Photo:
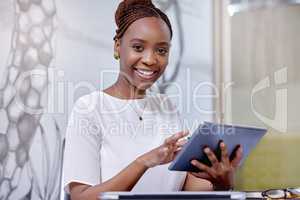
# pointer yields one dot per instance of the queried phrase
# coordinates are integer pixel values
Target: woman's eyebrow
(164, 43)
(144, 41)
(137, 40)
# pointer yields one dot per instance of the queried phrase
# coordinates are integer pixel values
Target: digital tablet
(209, 135)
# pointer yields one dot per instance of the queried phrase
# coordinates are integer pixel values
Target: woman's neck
(124, 90)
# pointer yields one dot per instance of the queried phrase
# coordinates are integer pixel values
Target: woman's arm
(193, 183)
(128, 177)
(124, 181)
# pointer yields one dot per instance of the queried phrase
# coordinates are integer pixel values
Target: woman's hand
(166, 152)
(221, 173)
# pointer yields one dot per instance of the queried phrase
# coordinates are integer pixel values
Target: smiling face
(144, 52)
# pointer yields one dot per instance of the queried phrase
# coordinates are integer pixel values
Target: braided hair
(129, 11)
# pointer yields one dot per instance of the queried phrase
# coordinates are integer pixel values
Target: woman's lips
(145, 74)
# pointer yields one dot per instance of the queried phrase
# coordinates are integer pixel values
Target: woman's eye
(162, 51)
(138, 48)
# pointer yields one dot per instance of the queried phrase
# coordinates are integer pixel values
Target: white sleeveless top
(105, 134)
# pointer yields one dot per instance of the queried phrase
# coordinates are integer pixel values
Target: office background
(68, 47)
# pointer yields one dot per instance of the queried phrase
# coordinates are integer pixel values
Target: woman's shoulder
(88, 99)
(87, 102)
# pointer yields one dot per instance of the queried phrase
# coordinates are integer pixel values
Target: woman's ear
(117, 49)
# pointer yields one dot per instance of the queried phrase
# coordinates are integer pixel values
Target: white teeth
(144, 72)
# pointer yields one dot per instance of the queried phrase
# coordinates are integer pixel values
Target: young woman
(122, 138)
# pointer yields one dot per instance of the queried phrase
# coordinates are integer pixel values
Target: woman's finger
(178, 149)
(203, 167)
(171, 140)
(211, 156)
(165, 151)
(224, 153)
(238, 157)
(181, 142)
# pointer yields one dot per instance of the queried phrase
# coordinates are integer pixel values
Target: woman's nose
(149, 58)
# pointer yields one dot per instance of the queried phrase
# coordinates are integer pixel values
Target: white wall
(81, 48)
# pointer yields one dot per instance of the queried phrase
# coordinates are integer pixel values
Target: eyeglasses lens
(275, 194)
(295, 192)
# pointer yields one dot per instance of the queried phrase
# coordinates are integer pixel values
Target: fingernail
(193, 162)
(206, 150)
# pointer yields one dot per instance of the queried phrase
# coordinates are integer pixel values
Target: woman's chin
(144, 84)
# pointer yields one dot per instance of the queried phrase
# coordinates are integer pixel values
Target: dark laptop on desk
(172, 195)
